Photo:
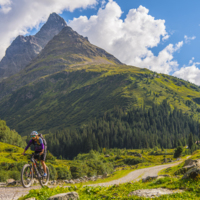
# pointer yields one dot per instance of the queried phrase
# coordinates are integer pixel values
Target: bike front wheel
(44, 179)
(26, 175)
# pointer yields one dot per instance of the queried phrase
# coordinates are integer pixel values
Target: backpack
(44, 141)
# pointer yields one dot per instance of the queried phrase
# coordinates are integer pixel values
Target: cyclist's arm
(29, 144)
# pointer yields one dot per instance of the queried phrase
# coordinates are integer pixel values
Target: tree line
(10, 136)
(138, 128)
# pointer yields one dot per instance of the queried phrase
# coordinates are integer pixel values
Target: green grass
(121, 191)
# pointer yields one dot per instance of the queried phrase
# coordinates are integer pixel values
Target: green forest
(10, 136)
(138, 128)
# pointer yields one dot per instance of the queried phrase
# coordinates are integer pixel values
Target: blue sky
(181, 18)
(162, 36)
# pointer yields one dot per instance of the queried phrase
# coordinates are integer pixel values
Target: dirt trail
(13, 193)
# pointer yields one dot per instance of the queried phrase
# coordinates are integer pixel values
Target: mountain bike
(33, 170)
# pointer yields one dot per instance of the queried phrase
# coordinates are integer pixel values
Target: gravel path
(13, 193)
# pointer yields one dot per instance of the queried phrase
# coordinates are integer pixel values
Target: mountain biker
(39, 149)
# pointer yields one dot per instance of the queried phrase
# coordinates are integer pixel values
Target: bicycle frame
(36, 166)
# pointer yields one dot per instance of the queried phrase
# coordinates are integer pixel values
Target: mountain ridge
(66, 50)
(25, 48)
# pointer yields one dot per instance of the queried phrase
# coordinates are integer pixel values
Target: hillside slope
(75, 96)
(72, 81)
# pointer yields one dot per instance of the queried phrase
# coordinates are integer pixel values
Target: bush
(178, 152)
(3, 176)
(50, 157)
(133, 161)
(15, 175)
(79, 170)
(52, 172)
(63, 173)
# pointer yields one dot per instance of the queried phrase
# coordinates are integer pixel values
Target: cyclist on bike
(39, 149)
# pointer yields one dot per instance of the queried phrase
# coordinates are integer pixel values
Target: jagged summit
(25, 48)
(52, 27)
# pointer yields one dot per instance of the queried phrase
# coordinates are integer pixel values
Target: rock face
(191, 169)
(192, 173)
(65, 196)
(25, 48)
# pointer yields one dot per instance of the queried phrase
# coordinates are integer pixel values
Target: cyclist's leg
(36, 158)
(42, 159)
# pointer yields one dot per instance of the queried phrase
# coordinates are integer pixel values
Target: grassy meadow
(190, 187)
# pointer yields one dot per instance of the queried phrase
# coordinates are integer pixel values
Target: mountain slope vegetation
(10, 136)
(159, 126)
(74, 96)
(72, 81)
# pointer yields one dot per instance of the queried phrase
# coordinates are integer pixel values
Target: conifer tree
(190, 141)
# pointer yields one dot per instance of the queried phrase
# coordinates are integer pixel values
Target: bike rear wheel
(44, 179)
(27, 175)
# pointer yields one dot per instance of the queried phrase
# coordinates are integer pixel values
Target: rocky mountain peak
(52, 27)
(25, 48)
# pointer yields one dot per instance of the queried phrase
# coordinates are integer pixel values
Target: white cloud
(163, 63)
(16, 17)
(191, 61)
(5, 6)
(190, 73)
(129, 40)
(188, 39)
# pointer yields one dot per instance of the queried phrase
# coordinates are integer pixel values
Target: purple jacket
(39, 146)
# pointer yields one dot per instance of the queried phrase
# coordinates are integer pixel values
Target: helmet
(34, 133)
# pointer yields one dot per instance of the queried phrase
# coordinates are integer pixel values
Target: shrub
(79, 170)
(178, 152)
(50, 157)
(15, 175)
(133, 161)
(52, 172)
(63, 173)
(3, 176)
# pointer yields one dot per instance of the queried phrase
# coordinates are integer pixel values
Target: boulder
(191, 163)
(53, 182)
(71, 181)
(66, 181)
(192, 173)
(105, 175)
(163, 176)
(149, 178)
(153, 192)
(12, 183)
(35, 181)
(65, 196)
(10, 180)
(189, 167)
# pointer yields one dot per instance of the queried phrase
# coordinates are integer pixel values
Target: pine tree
(190, 141)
